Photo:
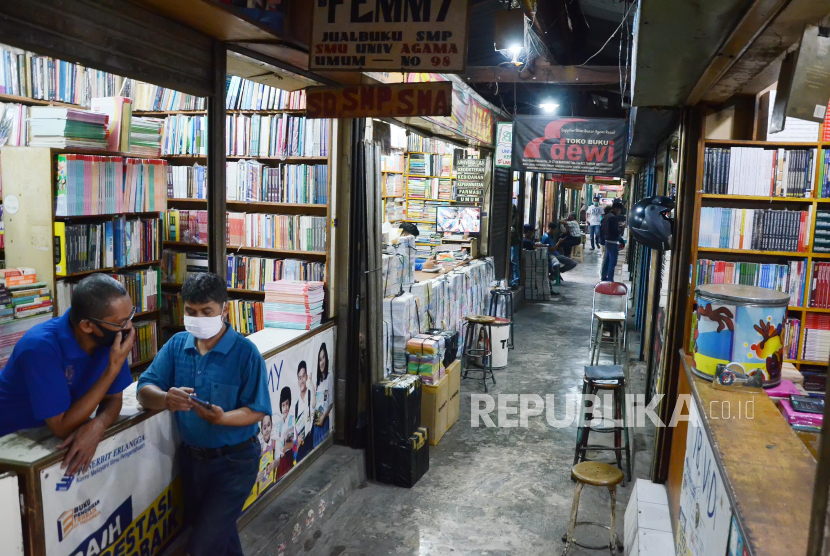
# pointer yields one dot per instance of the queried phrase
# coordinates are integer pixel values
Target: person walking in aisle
(594, 217)
(215, 381)
(611, 235)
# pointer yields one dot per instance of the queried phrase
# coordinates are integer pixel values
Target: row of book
(419, 144)
(145, 136)
(821, 232)
(816, 338)
(394, 210)
(141, 285)
(393, 186)
(788, 278)
(819, 285)
(14, 131)
(94, 246)
(753, 229)
(243, 94)
(152, 98)
(441, 189)
(421, 210)
(24, 299)
(759, 172)
(146, 342)
(792, 328)
(26, 74)
(252, 273)
(276, 136)
(277, 231)
(392, 162)
(92, 185)
(245, 316)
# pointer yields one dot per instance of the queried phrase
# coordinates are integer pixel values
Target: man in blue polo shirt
(62, 370)
(214, 379)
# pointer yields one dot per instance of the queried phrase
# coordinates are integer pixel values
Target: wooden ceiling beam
(545, 73)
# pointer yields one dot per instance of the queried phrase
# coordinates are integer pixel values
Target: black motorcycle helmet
(650, 224)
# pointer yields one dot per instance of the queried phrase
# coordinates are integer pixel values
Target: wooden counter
(767, 470)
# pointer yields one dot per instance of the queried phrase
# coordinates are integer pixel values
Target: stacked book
(293, 304)
(65, 128)
(252, 273)
(425, 357)
(536, 281)
(152, 98)
(392, 162)
(394, 185)
(400, 322)
(816, 338)
(176, 266)
(821, 235)
(788, 278)
(22, 296)
(418, 165)
(416, 188)
(146, 342)
(394, 210)
(754, 229)
(243, 94)
(246, 317)
(145, 136)
(420, 211)
(14, 125)
(820, 285)
(188, 226)
(277, 231)
(759, 172)
(792, 327)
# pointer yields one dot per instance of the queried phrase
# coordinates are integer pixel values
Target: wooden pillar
(217, 258)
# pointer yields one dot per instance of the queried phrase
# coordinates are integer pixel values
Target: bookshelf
(809, 203)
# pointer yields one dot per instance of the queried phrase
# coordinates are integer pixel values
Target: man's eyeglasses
(120, 327)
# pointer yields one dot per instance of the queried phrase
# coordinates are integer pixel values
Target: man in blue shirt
(553, 245)
(63, 369)
(214, 379)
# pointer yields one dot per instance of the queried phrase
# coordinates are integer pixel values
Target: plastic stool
(577, 253)
(597, 474)
(471, 348)
(506, 297)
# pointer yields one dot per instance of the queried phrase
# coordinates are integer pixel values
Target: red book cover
(801, 230)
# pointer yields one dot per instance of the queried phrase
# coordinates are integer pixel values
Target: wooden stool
(594, 473)
(577, 253)
(471, 348)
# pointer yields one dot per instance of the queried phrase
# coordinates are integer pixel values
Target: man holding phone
(215, 381)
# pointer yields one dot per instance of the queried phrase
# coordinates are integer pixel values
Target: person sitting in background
(409, 229)
(549, 241)
(594, 217)
(571, 235)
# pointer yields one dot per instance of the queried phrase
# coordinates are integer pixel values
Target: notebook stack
(294, 304)
(426, 357)
(536, 282)
(145, 137)
(63, 128)
(21, 295)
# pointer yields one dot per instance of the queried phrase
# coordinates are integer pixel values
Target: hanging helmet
(650, 224)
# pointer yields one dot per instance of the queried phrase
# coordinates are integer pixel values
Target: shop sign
(469, 117)
(389, 35)
(569, 178)
(504, 144)
(705, 512)
(376, 101)
(292, 432)
(585, 146)
(128, 502)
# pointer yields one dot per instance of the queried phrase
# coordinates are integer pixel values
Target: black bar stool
(505, 298)
(472, 349)
(605, 377)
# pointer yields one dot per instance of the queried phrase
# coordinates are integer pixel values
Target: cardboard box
(434, 408)
(454, 394)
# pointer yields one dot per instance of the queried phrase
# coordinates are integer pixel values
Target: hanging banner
(128, 502)
(504, 144)
(301, 384)
(469, 117)
(377, 101)
(585, 146)
(389, 35)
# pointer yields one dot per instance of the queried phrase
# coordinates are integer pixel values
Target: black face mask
(108, 337)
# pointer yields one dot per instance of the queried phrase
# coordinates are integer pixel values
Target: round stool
(502, 299)
(473, 348)
(594, 473)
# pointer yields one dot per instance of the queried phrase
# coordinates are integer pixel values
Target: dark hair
(285, 395)
(607, 209)
(410, 228)
(93, 296)
(551, 225)
(204, 287)
(319, 374)
(302, 365)
(267, 416)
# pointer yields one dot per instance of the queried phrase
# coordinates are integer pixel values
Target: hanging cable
(611, 37)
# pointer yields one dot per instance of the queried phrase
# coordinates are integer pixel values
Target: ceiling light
(515, 49)
(549, 106)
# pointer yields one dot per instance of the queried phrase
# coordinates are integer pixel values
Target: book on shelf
(394, 209)
(93, 185)
(821, 232)
(98, 245)
(422, 210)
(67, 128)
(141, 285)
(758, 171)
(177, 266)
(819, 285)
(754, 229)
(252, 273)
(187, 182)
(816, 346)
(145, 136)
(14, 124)
(188, 226)
(146, 342)
(119, 112)
(246, 317)
(419, 144)
(152, 98)
(135, 241)
(393, 186)
(787, 278)
(276, 231)
(392, 162)
(276, 135)
(792, 328)
(184, 135)
(243, 94)
(172, 309)
(12, 330)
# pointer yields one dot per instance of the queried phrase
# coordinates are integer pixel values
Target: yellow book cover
(60, 249)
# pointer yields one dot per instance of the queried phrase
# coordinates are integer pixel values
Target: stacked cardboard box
(536, 282)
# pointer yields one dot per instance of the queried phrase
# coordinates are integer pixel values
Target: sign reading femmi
(368, 101)
(389, 35)
(585, 146)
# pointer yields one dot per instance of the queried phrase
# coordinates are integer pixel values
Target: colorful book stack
(30, 300)
(176, 266)
(83, 247)
(65, 128)
(395, 210)
(759, 172)
(15, 129)
(445, 190)
(792, 327)
(293, 183)
(416, 188)
(293, 304)
(146, 342)
(243, 94)
(276, 136)
(91, 184)
(145, 136)
(252, 273)
(421, 211)
(152, 98)
(187, 182)
(821, 235)
(418, 165)
(188, 226)
(184, 135)
(788, 278)
(246, 317)
(425, 357)
(754, 229)
(394, 185)
(820, 285)
(816, 338)
(276, 231)
(392, 162)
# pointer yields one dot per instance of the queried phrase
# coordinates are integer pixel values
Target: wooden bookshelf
(286, 160)
(311, 209)
(243, 249)
(38, 102)
(165, 113)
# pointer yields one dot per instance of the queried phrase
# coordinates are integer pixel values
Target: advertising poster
(705, 513)
(301, 384)
(469, 117)
(504, 144)
(469, 180)
(584, 146)
(129, 501)
(389, 36)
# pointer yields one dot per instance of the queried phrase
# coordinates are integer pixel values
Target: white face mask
(204, 328)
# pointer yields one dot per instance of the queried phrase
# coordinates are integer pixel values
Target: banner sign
(469, 180)
(568, 178)
(376, 101)
(129, 501)
(585, 146)
(301, 384)
(469, 117)
(705, 512)
(389, 35)
(504, 144)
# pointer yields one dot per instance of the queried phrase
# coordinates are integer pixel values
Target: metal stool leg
(464, 357)
(569, 536)
(510, 301)
(625, 434)
(490, 357)
(617, 431)
(580, 428)
(615, 542)
(597, 339)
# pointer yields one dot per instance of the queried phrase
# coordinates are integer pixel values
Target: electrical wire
(625, 17)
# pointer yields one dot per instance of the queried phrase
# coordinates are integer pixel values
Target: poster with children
(301, 384)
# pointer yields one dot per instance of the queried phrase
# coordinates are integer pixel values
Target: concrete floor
(499, 491)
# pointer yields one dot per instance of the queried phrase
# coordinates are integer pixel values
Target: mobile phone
(203, 403)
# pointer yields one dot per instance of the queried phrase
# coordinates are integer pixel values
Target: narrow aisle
(498, 491)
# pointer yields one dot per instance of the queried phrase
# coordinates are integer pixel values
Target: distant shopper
(611, 235)
(549, 240)
(304, 413)
(215, 381)
(68, 373)
(571, 235)
(594, 217)
(583, 212)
